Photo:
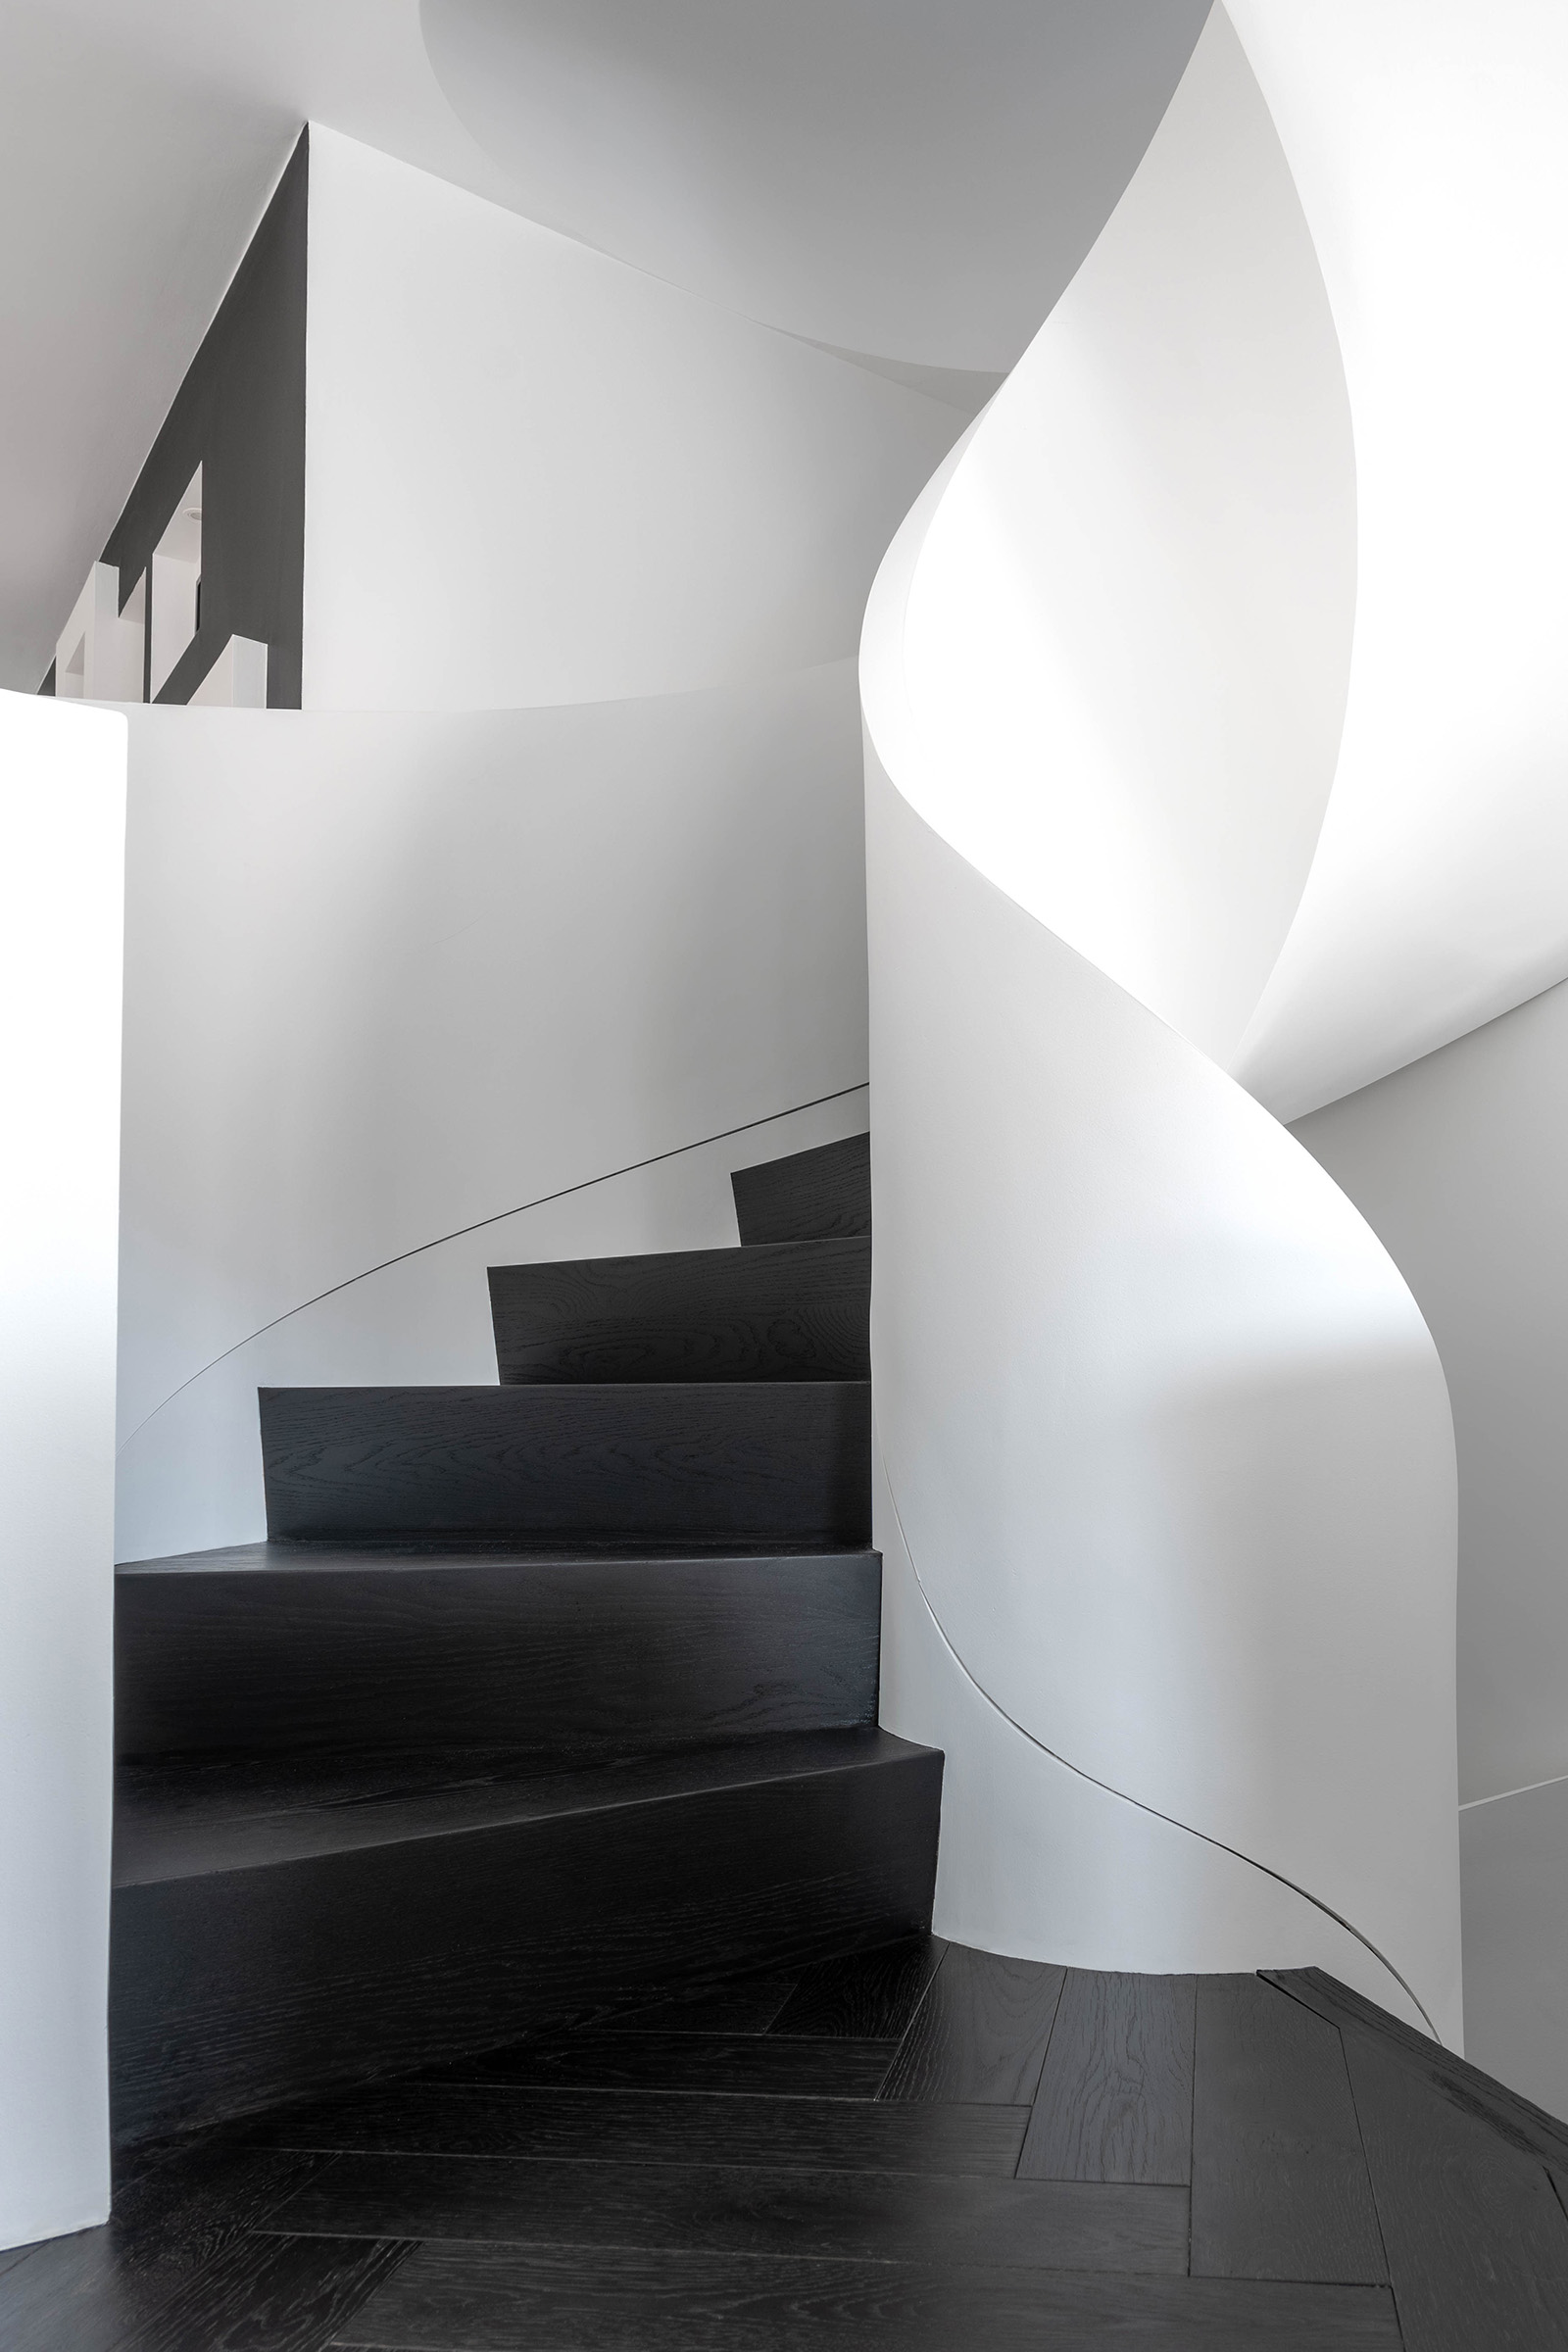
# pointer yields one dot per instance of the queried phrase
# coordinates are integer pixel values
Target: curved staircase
(537, 1697)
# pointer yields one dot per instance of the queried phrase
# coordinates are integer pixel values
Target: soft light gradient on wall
(61, 860)
(1167, 1448)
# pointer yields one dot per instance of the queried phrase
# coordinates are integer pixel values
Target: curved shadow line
(499, 1218)
(1169, 1819)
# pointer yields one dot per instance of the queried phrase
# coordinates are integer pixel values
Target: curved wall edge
(1169, 1440)
(1042, 1863)
(1169, 1436)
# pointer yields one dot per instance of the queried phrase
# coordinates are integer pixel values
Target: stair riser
(569, 1660)
(234, 1992)
(787, 1459)
(800, 1311)
(813, 1196)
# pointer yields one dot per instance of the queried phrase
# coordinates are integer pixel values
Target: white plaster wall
(535, 474)
(61, 849)
(1459, 1161)
(1166, 1444)
(1513, 1858)
(1426, 140)
(388, 975)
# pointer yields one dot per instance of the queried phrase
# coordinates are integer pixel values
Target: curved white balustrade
(1426, 137)
(1170, 1481)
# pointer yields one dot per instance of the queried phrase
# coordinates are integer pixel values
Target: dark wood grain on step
(789, 1458)
(234, 1987)
(501, 2298)
(793, 1310)
(871, 1994)
(785, 2067)
(811, 1195)
(980, 2032)
(1477, 2244)
(748, 2005)
(1280, 2186)
(93, 2291)
(281, 1647)
(1115, 2096)
(726, 2209)
(611, 2126)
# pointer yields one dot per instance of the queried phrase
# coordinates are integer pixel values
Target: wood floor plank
(1280, 2186)
(96, 2289)
(729, 2209)
(504, 2298)
(1462, 2085)
(749, 2005)
(781, 2067)
(866, 1996)
(1477, 2242)
(272, 2294)
(1115, 2096)
(980, 2032)
(611, 2127)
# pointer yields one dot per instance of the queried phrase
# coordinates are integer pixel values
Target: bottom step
(283, 1924)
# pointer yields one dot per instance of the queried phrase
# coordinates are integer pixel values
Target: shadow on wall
(1459, 1161)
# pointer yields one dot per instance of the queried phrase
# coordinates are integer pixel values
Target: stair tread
(382, 1554)
(192, 1816)
(786, 1310)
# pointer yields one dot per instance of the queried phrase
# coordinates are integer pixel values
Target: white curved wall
(1132, 606)
(391, 974)
(1426, 137)
(536, 476)
(61, 853)
(1165, 1437)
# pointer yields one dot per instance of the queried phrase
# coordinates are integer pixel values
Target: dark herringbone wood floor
(921, 2149)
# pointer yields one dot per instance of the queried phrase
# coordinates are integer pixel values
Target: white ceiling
(912, 179)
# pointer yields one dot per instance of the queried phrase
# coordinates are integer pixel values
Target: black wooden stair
(538, 1696)
(813, 1196)
(787, 1459)
(782, 1310)
(275, 1647)
(419, 1902)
